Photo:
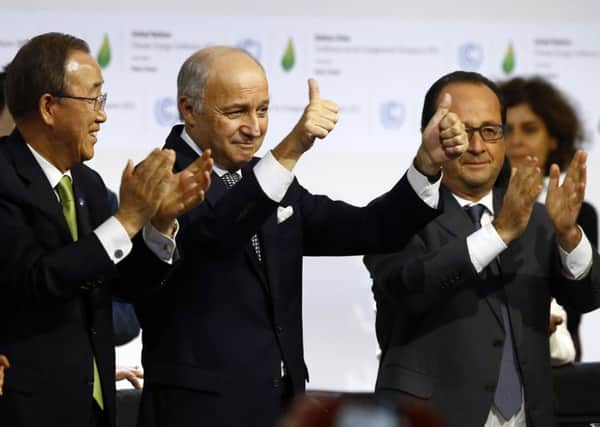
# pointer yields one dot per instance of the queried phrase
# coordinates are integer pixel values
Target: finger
(553, 177)
(441, 111)
(329, 106)
(133, 381)
(313, 90)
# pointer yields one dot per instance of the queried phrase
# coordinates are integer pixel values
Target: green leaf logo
(289, 56)
(508, 64)
(103, 57)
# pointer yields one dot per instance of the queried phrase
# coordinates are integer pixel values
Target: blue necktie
(507, 398)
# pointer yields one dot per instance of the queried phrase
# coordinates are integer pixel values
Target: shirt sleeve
(577, 263)
(162, 245)
(114, 239)
(484, 245)
(427, 191)
(272, 177)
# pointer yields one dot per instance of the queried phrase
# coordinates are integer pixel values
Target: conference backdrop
(377, 70)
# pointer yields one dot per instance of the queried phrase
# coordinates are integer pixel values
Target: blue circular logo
(470, 56)
(165, 111)
(392, 114)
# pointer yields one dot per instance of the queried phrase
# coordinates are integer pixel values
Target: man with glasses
(63, 250)
(462, 310)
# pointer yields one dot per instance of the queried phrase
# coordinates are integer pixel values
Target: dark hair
(432, 95)
(38, 68)
(551, 105)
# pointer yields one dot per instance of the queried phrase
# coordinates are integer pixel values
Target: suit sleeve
(580, 295)
(384, 225)
(425, 276)
(230, 221)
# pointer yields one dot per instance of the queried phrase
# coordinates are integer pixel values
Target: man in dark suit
(63, 251)
(222, 344)
(462, 310)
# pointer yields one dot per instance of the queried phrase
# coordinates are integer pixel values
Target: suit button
(498, 342)
(279, 329)
(276, 382)
(93, 331)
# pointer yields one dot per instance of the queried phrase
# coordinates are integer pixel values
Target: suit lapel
(454, 220)
(457, 223)
(84, 223)
(185, 156)
(42, 195)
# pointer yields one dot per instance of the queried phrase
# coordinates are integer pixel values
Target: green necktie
(67, 201)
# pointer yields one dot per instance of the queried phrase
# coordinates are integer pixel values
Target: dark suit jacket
(55, 294)
(439, 323)
(224, 322)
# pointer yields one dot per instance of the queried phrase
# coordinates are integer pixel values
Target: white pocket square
(284, 213)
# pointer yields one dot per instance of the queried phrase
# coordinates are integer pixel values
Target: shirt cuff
(427, 191)
(114, 239)
(273, 178)
(484, 246)
(577, 264)
(162, 245)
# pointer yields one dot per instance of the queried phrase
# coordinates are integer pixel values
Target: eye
(234, 114)
(262, 112)
(532, 128)
(489, 131)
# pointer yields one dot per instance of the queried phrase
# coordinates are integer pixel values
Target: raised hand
(522, 192)
(443, 139)
(563, 202)
(143, 188)
(186, 190)
(319, 118)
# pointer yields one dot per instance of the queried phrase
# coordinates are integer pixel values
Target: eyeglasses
(488, 133)
(98, 102)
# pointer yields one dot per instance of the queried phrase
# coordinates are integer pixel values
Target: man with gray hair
(223, 339)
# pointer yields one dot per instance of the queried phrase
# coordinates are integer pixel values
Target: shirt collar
(52, 173)
(220, 171)
(487, 201)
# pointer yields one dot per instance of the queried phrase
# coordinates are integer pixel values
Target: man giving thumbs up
(223, 339)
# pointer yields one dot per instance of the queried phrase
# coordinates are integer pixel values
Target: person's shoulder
(87, 177)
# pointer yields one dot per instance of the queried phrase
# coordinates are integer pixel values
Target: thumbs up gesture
(443, 139)
(319, 118)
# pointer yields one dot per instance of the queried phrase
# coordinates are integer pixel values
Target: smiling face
(234, 116)
(527, 135)
(473, 174)
(76, 122)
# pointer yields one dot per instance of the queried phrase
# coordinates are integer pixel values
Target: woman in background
(541, 122)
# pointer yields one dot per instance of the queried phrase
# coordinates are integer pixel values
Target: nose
(476, 144)
(251, 125)
(101, 116)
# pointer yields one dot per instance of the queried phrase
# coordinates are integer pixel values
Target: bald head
(201, 66)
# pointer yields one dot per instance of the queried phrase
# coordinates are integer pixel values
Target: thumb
(441, 111)
(313, 90)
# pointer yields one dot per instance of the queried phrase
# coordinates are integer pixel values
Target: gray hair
(193, 74)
